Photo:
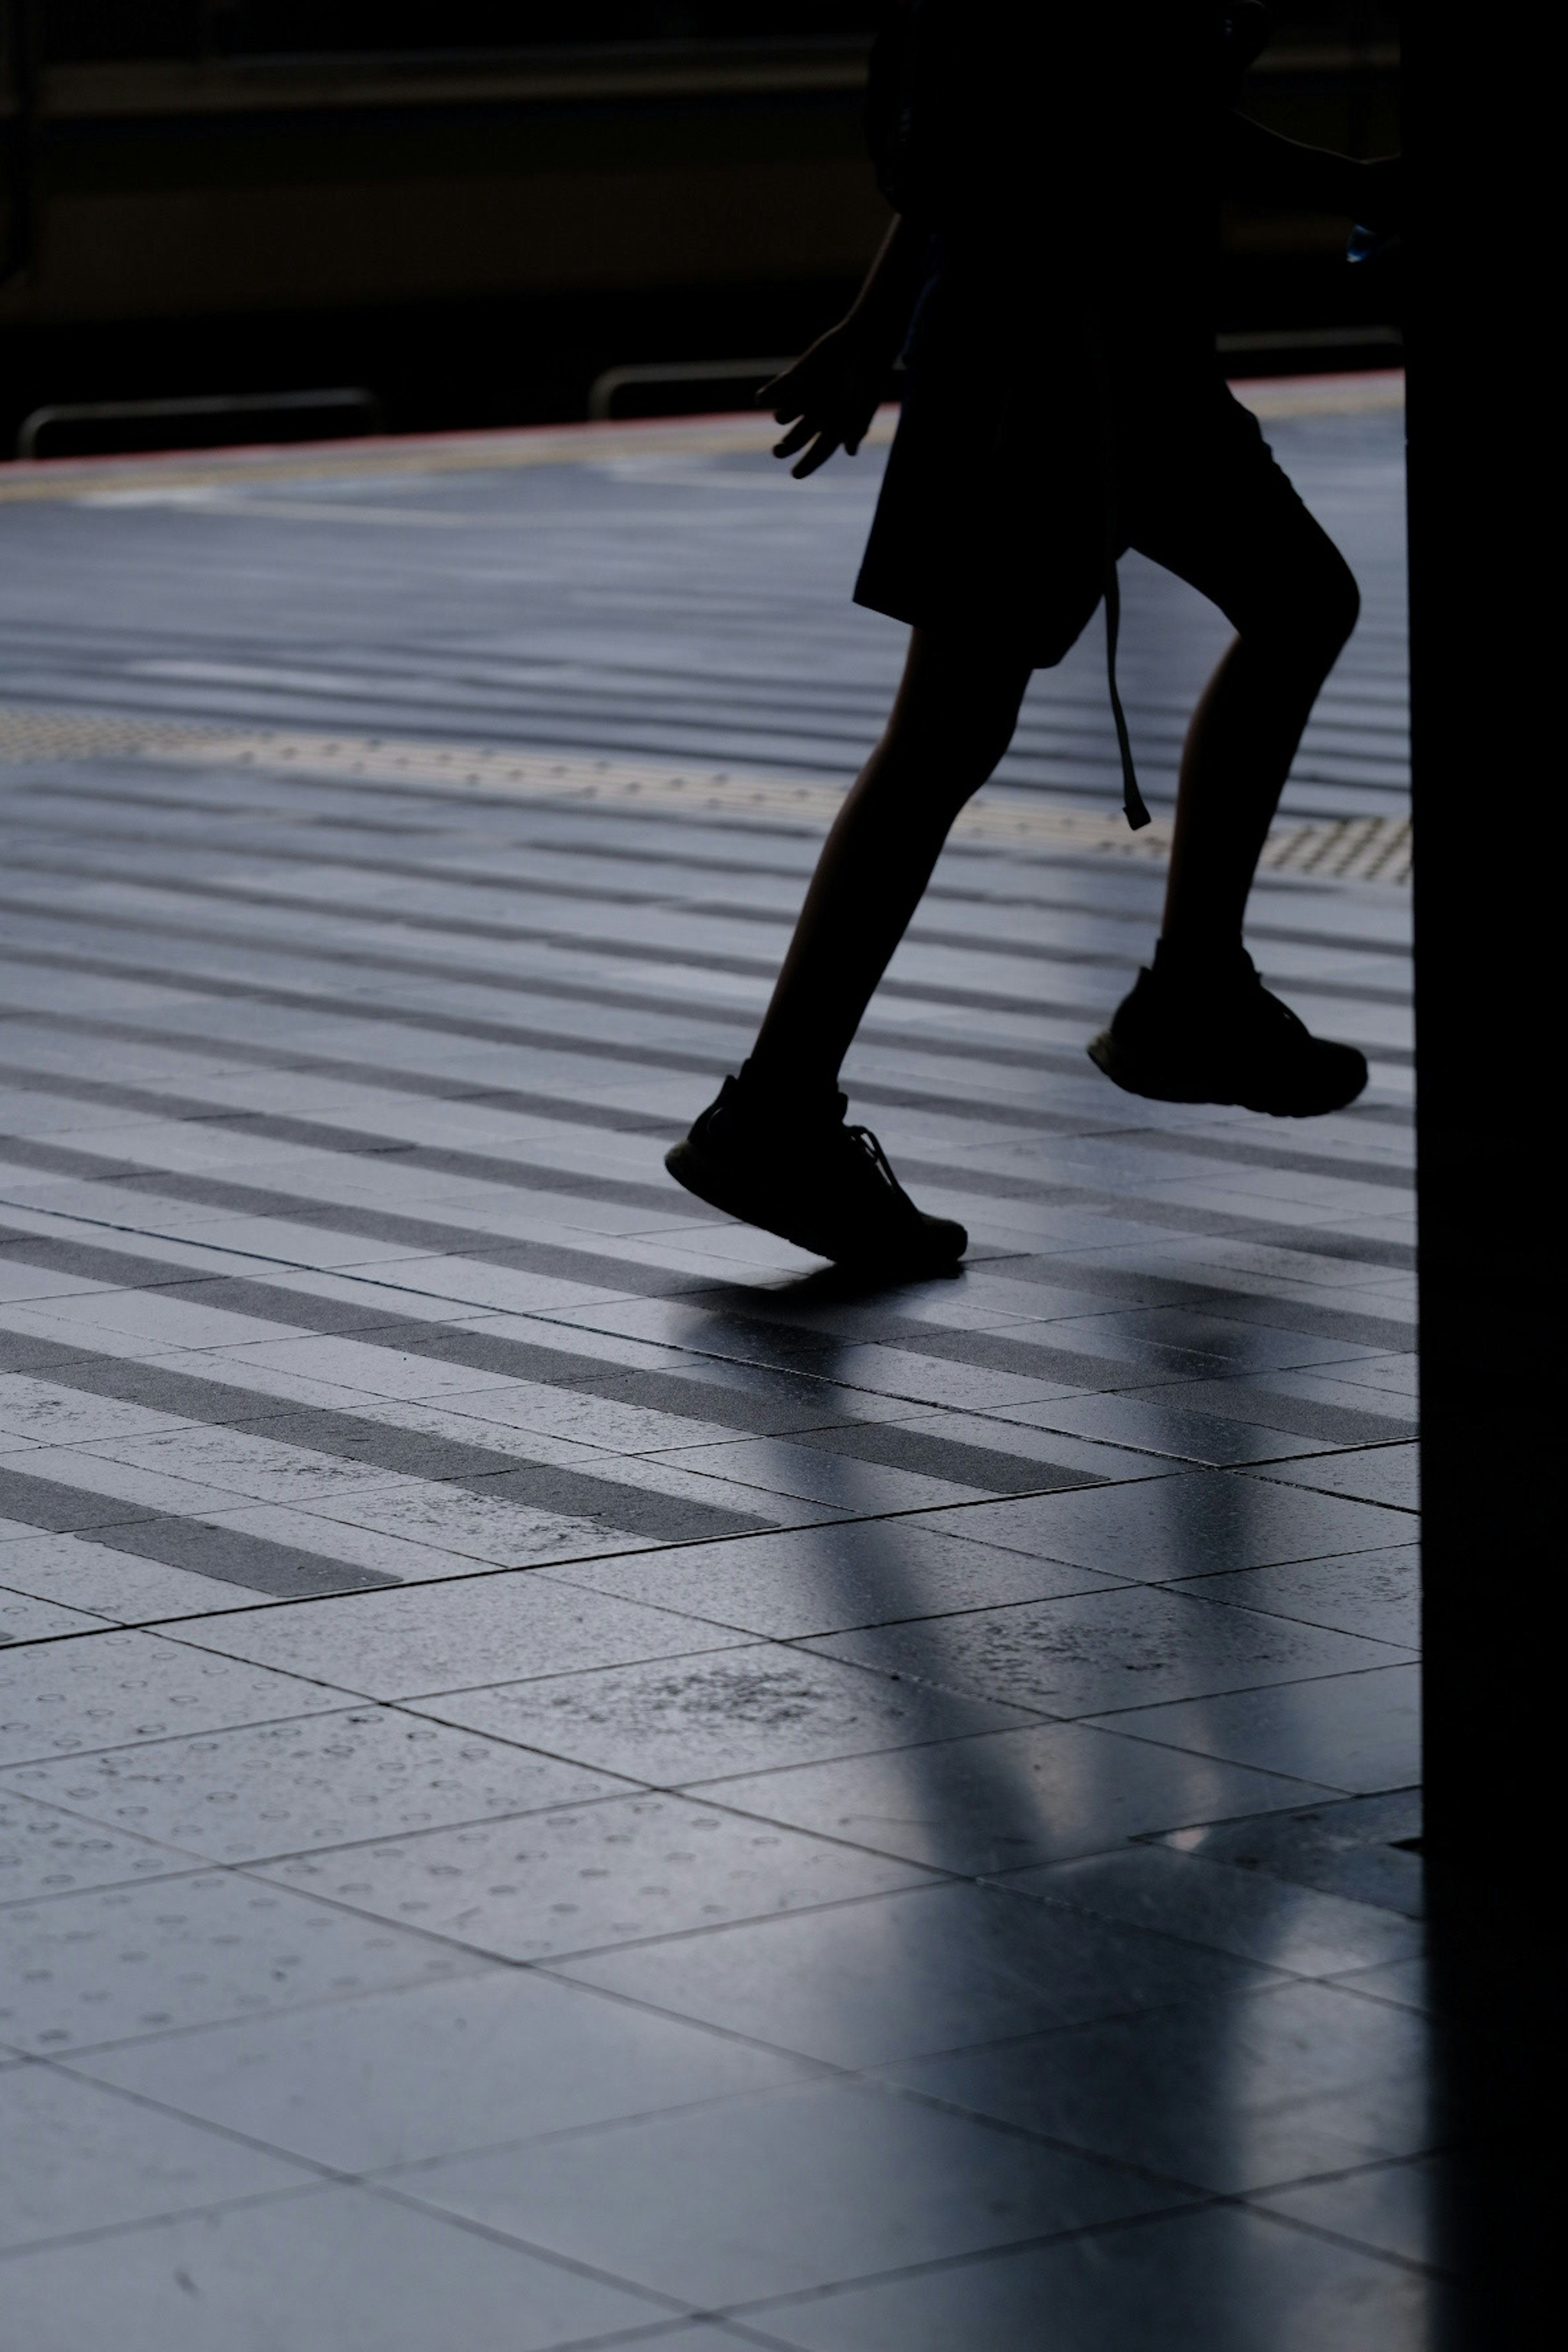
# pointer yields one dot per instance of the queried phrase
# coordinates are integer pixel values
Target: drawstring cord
(1131, 798)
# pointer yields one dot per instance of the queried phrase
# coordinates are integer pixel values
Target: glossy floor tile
(568, 1776)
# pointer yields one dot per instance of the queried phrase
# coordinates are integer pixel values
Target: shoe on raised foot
(809, 1177)
(1221, 1037)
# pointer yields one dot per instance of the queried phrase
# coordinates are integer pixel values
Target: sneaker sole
(1123, 1072)
(696, 1172)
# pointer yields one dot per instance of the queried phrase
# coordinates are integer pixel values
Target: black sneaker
(810, 1178)
(1221, 1038)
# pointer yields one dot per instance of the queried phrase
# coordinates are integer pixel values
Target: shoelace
(873, 1152)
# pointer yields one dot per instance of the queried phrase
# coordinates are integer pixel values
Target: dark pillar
(1488, 555)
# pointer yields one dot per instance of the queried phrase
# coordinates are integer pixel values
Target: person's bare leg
(1240, 747)
(1200, 1026)
(954, 717)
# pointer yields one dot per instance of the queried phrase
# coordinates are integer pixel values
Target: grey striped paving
(568, 1751)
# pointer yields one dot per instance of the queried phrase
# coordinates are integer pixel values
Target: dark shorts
(1017, 437)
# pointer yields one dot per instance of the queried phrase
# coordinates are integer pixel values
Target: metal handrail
(354, 397)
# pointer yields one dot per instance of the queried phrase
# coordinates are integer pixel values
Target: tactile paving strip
(1341, 849)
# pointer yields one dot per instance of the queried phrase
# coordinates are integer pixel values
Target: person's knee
(955, 716)
(1305, 626)
(1338, 606)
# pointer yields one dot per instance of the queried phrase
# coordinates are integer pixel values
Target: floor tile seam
(563, 888)
(965, 853)
(1266, 1414)
(1252, 2202)
(256, 1407)
(422, 1235)
(422, 1703)
(1407, 1650)
(408, 1701)
(585, 1116)
(1412, 1511)
(17, 1642)
(679, 2308)
(168, 1625)
(390, 921)
(1175, 1384)
(388, 1332)
(1197, 2201)
(1119, 1210)
(1102, 1715)
(483, 1956)
(59, 2063)
(387, 1011)
(326, 2180)
(589, 1469)
(110, 2231)
(325, 1135)
(352, 1700)
(324, 1718)
(813, 2071)
(1276, 1975)
(187, 1866)
(1107, 1584)
(581, 1116)
(139, 1524)
(1103, 1582)
(60, 1359)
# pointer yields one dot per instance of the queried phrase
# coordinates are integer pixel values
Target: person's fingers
(818, 453)
(795, 438)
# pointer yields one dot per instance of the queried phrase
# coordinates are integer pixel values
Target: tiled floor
(568, 1779)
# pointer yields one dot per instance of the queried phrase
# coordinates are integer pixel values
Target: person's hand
(830, 396)
(1379, 194)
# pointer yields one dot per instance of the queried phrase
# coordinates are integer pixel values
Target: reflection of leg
(953, 719)
(774, 1148)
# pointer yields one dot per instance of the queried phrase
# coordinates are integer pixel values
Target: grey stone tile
(1408, 1981)
(1090, 1652)
(1186, 1526)
(479, 1630)
(1191, 2283)
(1395, 2209)
(824, 1580)
(74, 2158)
(1378, 1474)
(799, 2188)
(945, 1967)
(1377, 1594)
(1164, 1425)
(81, 1574)
(24, 1617)
(582, 1877)
(1007, 1799)
(1263, 1918)
(499, 2057)
(1356, 1731)
(699, 1718)
(1364, 1848)
(107, 1965)
(339, 2266)
(58, 1698)
(1242, 2094)
(44, 1850)
(793, 1470)
(318, 1781)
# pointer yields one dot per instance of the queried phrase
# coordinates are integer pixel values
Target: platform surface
(566, 1778)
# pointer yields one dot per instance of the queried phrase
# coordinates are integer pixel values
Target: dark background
(474, 208)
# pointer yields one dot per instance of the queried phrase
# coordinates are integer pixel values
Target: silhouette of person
(1055, 172)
